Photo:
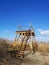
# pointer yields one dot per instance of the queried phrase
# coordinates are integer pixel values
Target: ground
(36, 59)
(41, 57)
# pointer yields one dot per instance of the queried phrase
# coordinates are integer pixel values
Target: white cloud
(39, 30)
(41, 38)
(43, 31)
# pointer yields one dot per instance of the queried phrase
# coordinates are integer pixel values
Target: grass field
(41, 57)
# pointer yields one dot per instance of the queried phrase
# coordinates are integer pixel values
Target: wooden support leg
(24, 50)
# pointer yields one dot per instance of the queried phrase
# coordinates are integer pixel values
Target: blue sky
(14, 12)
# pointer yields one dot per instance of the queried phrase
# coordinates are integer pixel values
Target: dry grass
(8, 60)
(5, 57)
(43, 47)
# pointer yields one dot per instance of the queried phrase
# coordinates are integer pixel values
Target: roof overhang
(20, 32)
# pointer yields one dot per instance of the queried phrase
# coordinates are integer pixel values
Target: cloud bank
(43, 31)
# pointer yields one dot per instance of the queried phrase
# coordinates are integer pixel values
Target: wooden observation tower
(26, 34)
(23, 37)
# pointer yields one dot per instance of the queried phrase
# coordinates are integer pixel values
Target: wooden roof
(25, 31)
(18, 32)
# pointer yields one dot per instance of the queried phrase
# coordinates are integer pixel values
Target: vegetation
(43, 47)
(7, 59)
